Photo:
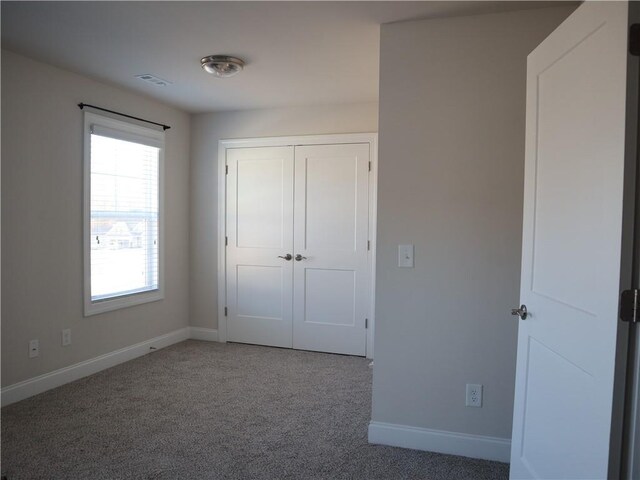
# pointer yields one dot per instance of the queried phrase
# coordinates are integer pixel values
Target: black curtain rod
(164, 127)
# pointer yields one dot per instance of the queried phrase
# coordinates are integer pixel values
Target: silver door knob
(287, 257)
(520, 312)
(300, 257)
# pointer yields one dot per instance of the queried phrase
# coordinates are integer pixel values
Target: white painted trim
(330, 139)
(474, 446)
(341, 138)
(222, 232)
(33, 386)
(199, 333)
(373, 221)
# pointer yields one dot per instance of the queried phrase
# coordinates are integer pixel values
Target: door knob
(287, 257)
(300, 257)
(520, 312)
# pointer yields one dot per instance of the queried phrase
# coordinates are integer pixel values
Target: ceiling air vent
(147, 77)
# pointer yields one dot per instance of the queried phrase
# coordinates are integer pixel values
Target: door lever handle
(520, 312)
(287, 257)
(300, 257)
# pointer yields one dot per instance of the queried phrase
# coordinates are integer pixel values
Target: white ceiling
(297, 53)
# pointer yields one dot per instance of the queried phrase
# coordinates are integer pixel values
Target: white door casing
(259, 231)
(331, 235)
(571, 254)
(231, 283)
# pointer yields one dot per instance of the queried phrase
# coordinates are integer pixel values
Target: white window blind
(124, 216)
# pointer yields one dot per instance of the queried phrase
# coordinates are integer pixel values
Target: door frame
(293, 141)
(629, 378)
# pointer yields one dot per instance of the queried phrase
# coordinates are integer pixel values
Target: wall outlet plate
(66, 337)
(474, 395)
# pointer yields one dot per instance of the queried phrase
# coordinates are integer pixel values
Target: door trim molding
(333, 139)
(441, 441)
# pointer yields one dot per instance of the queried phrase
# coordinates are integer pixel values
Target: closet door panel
(259, 225)
(330, 241)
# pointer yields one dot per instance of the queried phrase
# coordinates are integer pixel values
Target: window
(122, 214)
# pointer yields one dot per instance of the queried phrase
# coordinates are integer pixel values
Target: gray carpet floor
(202, 410)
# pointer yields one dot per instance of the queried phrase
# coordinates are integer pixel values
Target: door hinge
(226, 241)
(369, 165)
(634, 39)
(225, 311)
(366, 323)
(226, 169)
(368, 244)
(629, 306)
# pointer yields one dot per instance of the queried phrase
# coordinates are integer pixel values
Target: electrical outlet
(474, 395)
(34, 348)
(66, 337)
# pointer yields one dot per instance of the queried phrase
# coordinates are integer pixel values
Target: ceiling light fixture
(222, 66)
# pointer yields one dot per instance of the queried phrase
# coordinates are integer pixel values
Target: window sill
(116, 303)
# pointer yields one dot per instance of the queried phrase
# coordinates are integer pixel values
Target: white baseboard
(474, 446)
(33, 386)
(200, 333)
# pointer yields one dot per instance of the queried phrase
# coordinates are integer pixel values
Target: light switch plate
(405, 256)
(34, 348)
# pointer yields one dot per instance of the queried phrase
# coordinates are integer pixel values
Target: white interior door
(571, 257)
(331, 235)
(260, 232)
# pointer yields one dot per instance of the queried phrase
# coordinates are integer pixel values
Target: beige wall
(42, 277)
(206, 131)
(451, 158)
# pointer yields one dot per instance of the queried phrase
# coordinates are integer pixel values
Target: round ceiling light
(222, 66)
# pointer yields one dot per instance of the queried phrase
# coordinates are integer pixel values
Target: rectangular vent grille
(147, 77)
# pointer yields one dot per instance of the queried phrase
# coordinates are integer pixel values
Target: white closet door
(260, 231)
(330, 234)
